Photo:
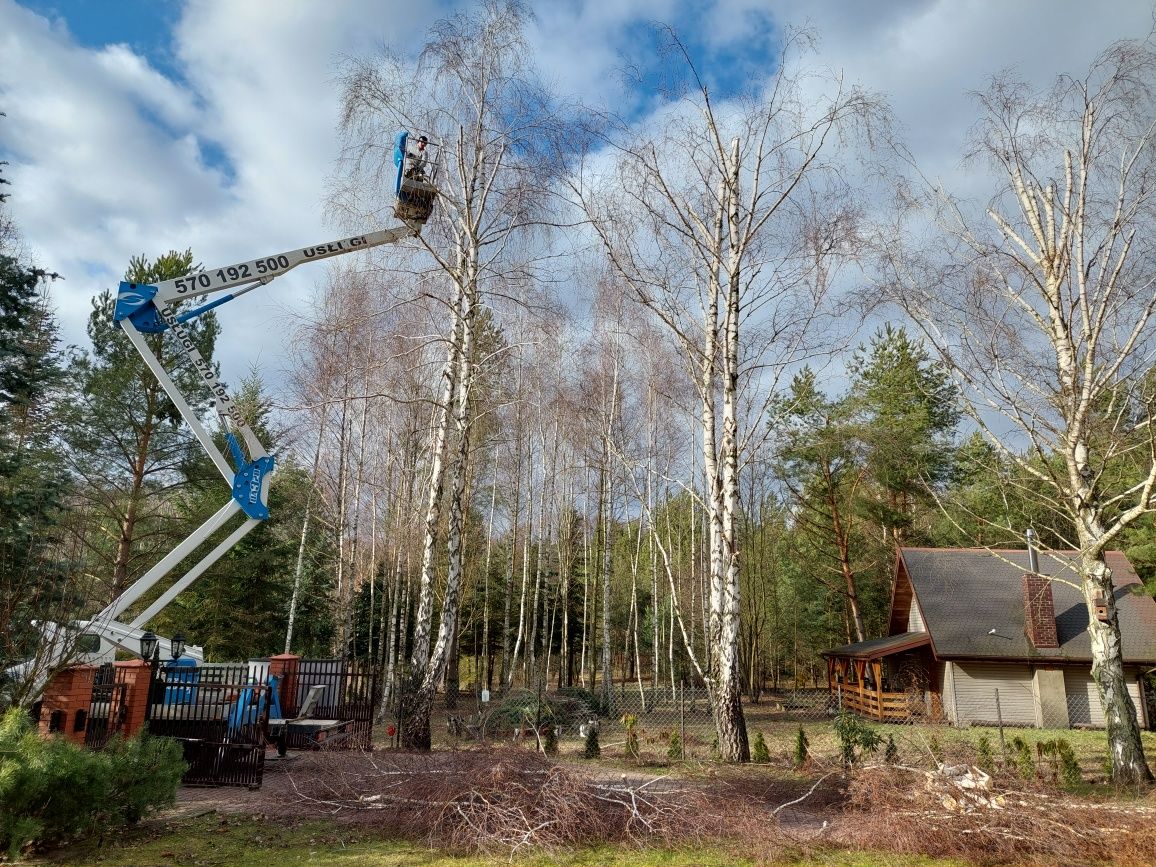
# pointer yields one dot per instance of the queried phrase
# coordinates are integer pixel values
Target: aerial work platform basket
(415, 182)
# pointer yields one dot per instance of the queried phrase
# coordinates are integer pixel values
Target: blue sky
(137, 127)
(144, 25)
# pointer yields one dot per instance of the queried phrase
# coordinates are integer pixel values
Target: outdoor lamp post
(177, 646)
(150, 651)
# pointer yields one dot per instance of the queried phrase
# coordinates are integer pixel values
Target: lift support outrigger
(154, 308)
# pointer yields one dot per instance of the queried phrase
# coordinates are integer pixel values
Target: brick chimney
(1039, 611)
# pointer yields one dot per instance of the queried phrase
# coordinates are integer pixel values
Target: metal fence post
(682, 717)
(999, 719)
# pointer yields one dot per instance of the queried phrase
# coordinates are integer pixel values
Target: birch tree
(726, 221)
(473, 92)
(1044, 309)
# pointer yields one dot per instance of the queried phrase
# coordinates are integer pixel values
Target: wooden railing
(880, 706)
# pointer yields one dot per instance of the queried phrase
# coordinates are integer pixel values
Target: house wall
(969, 695)
(1084, 700)
(914, 620)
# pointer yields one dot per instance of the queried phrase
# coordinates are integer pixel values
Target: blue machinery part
(399, 151)
(248, 483)
(134, 302)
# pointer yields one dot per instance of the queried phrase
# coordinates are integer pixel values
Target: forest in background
(634, 409)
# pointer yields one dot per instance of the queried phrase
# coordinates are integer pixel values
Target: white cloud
(111, 157)
(928, 56)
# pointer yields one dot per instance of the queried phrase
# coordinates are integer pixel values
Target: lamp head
(149, 645)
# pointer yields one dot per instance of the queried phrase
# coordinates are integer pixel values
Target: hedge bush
(52, 790)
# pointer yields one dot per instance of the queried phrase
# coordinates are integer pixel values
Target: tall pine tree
(129, 445)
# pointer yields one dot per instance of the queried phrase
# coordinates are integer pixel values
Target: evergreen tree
(907, 409)
(822, 466)
(129, 445)
(32, 481)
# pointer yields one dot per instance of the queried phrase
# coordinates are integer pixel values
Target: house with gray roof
(980, 636)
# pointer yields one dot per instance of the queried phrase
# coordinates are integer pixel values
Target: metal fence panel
(219, 713)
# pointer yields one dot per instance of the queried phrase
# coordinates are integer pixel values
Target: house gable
(902, 598)
(906, 615)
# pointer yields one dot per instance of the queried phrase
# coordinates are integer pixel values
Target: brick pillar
(284, 667)
(1039, 611)
(67, 694)
(134, 674)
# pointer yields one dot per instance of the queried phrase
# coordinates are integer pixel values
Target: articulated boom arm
(260, 271)
(149, 309)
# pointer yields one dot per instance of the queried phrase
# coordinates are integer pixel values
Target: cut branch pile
(911, 811)
(504, 800)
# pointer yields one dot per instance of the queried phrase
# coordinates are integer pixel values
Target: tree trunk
(120, 570)
(298, 568)
(608, 702)
(506, 670)
(1126, 750)
(729, 719)
(453, 685)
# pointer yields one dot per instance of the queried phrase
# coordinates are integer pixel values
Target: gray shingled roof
(965, 593)
(873, 648)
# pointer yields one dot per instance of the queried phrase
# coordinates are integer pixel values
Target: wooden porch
(862, 681)
(881, 706)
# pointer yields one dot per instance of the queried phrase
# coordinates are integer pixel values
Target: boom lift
(149, 309)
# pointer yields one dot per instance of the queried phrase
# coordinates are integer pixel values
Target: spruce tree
(32, 481)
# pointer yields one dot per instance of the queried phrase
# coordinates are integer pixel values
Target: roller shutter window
(1084, 699)
(975, 690)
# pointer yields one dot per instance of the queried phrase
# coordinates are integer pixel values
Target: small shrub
(802, 750)
(984, 758)
(52, 790)
(592, 749)
(715, 755)
(935, 748)
(891, 752)
(630, 724)
(1022, 755)
(1069, 765)
(760, 753)
(674, 751)
(145, 772)
(1062, 759)
(855, 737)
(550, 741)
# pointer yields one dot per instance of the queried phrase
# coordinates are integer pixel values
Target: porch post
(860, 670)
(877, 670)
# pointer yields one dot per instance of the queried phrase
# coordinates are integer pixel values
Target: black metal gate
(108, 708)
(219, 713)
(348, 697)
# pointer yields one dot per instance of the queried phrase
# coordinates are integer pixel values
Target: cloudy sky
(139, 126)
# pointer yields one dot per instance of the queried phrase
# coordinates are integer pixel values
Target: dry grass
(512, 800)
(902, 810)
